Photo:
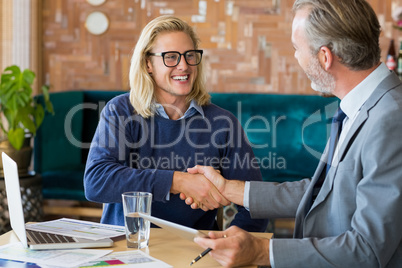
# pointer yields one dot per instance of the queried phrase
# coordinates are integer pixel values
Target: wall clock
(96, 2)
(97, 23)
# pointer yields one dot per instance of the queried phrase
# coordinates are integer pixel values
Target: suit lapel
(387, 84)
(306, 202)
(361, 118)
(390, 82)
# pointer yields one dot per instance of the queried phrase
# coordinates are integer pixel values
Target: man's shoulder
(389, 99)
(120, 104)
(122, 98)
(214, 110)
(384, 109)
(120, 101)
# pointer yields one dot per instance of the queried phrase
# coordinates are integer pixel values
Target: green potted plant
(21, 114)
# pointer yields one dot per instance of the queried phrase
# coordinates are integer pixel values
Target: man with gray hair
(349, 213)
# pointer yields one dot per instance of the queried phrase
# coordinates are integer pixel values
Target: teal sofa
(287, 133)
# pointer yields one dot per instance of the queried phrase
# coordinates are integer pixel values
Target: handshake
(204, 187)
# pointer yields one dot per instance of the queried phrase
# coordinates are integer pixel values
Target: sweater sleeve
(108, 173)
(242, 165)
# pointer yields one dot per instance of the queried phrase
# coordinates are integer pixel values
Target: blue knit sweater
(130, 153)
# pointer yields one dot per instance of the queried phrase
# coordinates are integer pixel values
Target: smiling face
(172, 83)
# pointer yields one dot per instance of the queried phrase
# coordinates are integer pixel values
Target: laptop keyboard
(47, 238)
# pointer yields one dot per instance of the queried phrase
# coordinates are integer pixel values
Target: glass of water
(137, 229)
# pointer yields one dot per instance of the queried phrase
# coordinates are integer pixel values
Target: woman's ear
(325, 57)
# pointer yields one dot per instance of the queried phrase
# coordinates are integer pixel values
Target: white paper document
(78, 228)
(127, 259)
(51, 258)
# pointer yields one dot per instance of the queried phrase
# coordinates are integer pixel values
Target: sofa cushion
(287, 132)
(63, 184)
(94, 101)
(56, 147)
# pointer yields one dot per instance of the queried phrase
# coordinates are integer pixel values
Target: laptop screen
(14, 198)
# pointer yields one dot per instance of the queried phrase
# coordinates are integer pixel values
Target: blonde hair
(142, 86)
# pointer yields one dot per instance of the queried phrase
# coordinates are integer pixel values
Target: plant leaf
(21, 110)
(46, 96)
(16, 137)
(39, 116)
(10, 72)
(24, 116)
(28, 76)
(16, 87)
(11, 117)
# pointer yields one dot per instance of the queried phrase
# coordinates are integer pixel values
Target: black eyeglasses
(172, 58)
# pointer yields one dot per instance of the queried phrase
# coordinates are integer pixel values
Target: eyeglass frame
(162, 54)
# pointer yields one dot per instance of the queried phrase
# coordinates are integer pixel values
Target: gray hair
(349, 28)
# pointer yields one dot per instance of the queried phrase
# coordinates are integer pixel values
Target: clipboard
(178, 229)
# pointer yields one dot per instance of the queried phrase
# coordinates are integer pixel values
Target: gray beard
(321, 81)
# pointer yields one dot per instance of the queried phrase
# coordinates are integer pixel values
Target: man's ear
(149, 66)
(325, 57)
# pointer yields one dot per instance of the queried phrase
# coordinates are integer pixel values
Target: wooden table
(163, 245)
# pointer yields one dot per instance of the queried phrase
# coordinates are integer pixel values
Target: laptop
(35, 239)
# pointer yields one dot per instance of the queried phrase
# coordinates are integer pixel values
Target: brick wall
(246, 42)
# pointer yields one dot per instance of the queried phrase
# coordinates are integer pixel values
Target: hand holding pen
(202, 254)
(239, 248)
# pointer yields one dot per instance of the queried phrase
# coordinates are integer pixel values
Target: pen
(205, 252)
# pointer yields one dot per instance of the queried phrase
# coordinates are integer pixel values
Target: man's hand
(232, 190)
(204, 194)
(236, 247)
(211, 174)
